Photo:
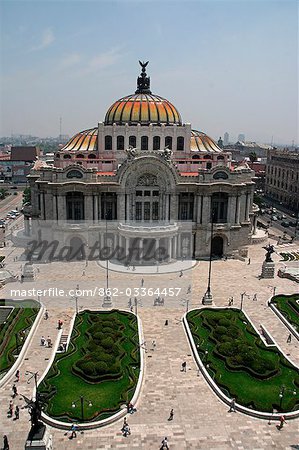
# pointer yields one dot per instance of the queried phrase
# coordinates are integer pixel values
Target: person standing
(171, 414)
(281, 422)
(232, 405)
(17, 375)
(142, 282)
(17, 413)
(184, 367)
(5, 443)
(14, 391)
(289, 339)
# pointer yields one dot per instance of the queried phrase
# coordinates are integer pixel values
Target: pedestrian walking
(5, 443)
(124, 424)
(142, 282)
(184, 367)
(83, 273)
(282, 421)
(254, 298)
(46, 316)
(59, 324)
(171, 414)
(232, 405)
(14, 391)
(17, 413)
(289, 339)
(126, 431)
(74, 430)
(17, 375)
(166, 322)
(181, 273)
(249, 261)
(164, 444)
(42, 341)
(189, 289)
(49, 342)
(10, 409)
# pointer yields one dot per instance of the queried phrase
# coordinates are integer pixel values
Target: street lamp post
(107, 302)
(208, 298)
(242, 299)
(82, 400)
(283, 390)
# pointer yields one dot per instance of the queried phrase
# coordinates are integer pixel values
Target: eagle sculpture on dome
(143, 65)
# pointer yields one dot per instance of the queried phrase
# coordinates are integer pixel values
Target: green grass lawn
(240, 363)
(289, 308)
(14, 328)
(81, 372)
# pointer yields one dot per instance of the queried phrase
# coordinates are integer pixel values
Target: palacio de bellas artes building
(142, 180)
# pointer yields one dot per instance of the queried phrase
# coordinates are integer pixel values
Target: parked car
(292, 224)
(285, 224)
(279, 216)
(274, 218)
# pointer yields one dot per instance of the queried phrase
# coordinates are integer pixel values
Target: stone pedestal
(268, 269)
(39, 439)
(28, 272)
(107, 302)
(207, 298)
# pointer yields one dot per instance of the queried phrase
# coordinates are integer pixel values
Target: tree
(3, 193)
(252, 157)
(27, 195)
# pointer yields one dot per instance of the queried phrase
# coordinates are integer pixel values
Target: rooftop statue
(143, 81)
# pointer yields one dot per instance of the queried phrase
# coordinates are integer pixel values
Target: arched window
(66, 156)
(74, 174)
(180, 144)
(168, 142)
(120, 143)
(144, 143)
(220, 157)
(195, 157)
(132, 141)
(80, 156)
(156, 142)
(91, 156)
(207, 157)
(108, 142)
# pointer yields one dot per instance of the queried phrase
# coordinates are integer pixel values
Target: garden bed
(101, 365)
(16, 320)
(240, 363)
(288, 306)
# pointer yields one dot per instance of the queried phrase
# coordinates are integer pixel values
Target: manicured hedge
(16, 327)
(289, 307)
(240, 363)
(101, 364)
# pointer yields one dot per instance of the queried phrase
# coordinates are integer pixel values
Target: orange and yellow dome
(143, 108)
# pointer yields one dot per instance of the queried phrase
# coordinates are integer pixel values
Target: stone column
(96, 207)
(88, 207)
(121, 199)
(26, 226)
(247, 207)
(61, 201)
(54, 207)
(232, 208)
(169, 248)
(206, 210)
(198, 211)
(174, 253)
(237, 216)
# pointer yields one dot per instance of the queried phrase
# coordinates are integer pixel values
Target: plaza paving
(201, 420)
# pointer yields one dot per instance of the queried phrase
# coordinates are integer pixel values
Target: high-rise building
(226, 138)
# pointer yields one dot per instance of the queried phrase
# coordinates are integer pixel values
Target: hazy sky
(226, 65)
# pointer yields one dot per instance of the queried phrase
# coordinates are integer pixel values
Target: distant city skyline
(226, 65)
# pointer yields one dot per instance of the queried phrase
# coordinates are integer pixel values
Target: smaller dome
(200, 142)
(84, 141)
(142, 108)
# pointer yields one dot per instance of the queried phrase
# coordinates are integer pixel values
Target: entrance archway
(217, 246)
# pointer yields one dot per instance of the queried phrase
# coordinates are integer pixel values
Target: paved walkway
(201, 421)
